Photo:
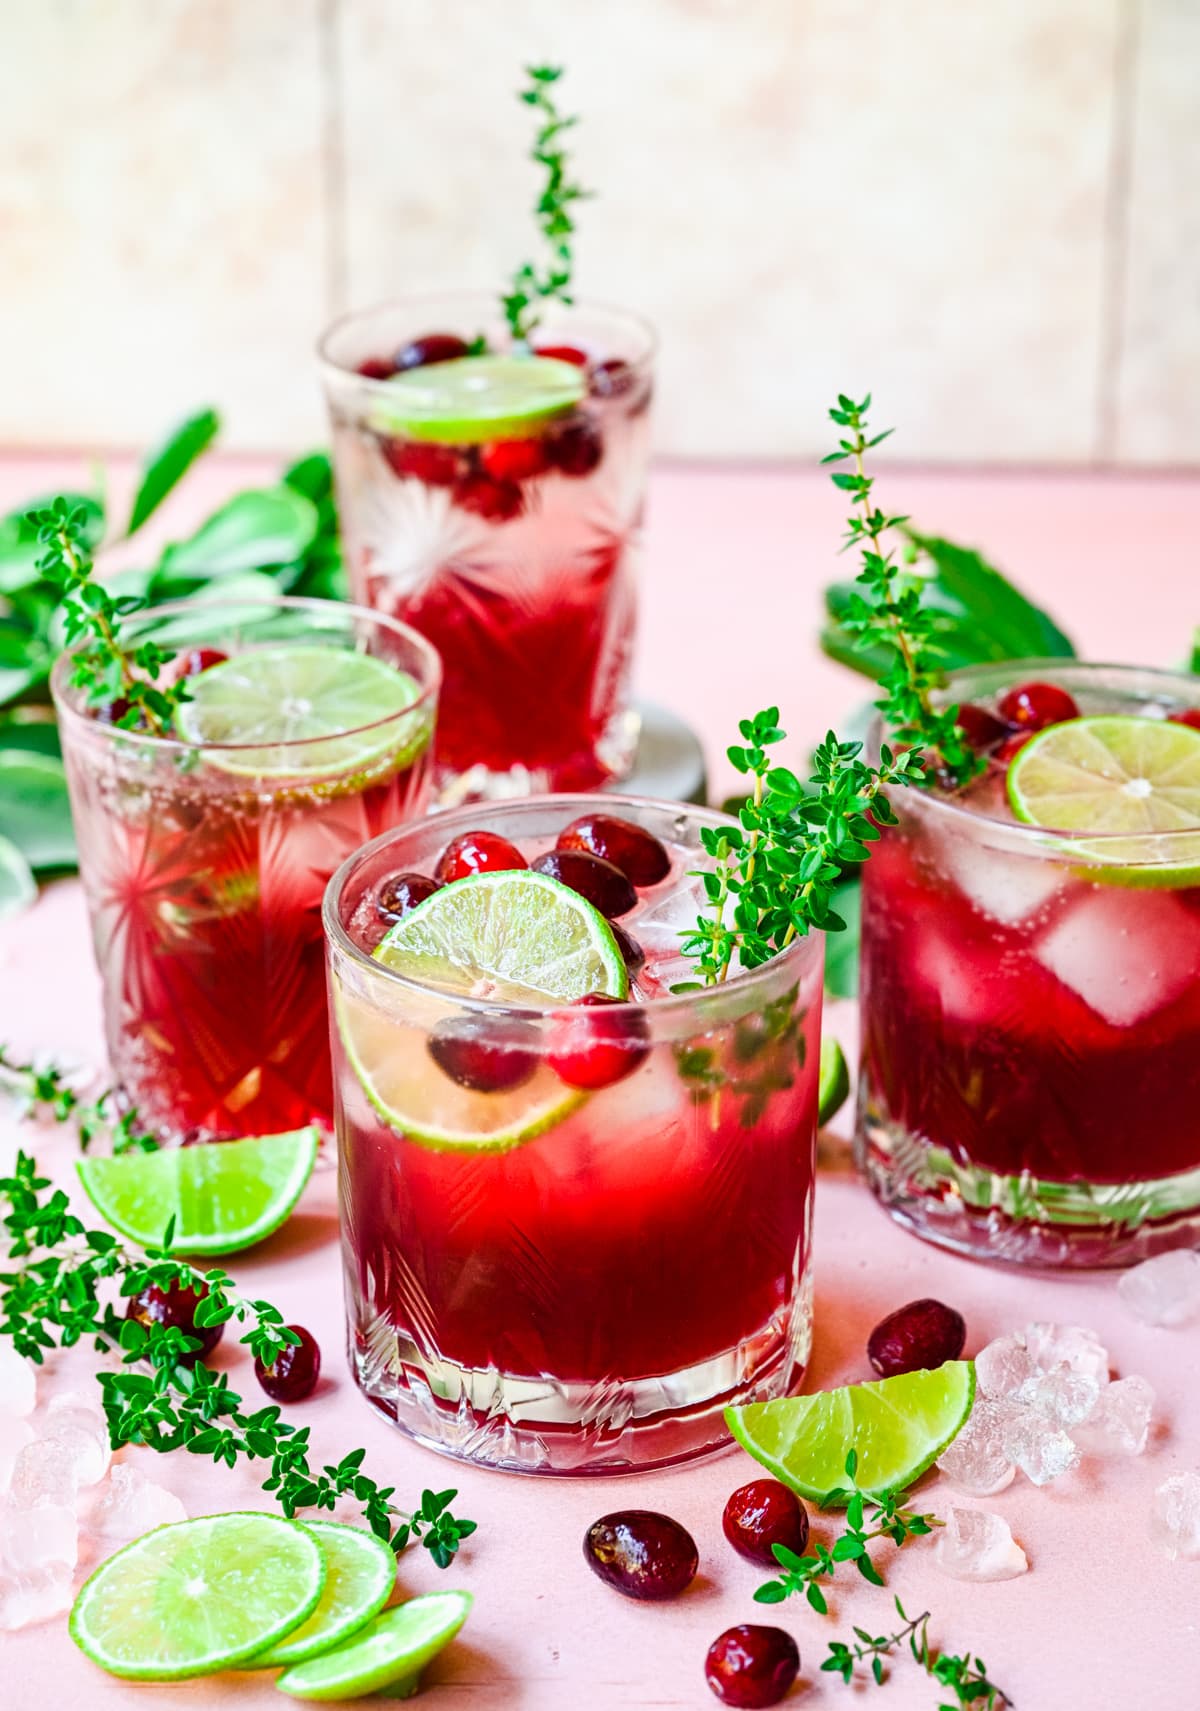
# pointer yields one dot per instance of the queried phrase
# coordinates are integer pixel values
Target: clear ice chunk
(1003, 1366)
(1120, 1422)
(1164, 1290)
(976, 1545)
(131, 1505)
(44, 1472)
(29, 1598)
(1006, 886)
(18, 1382)
(1042, 1450)
(1052, 1346)
(1175, 1515)
(1125, 953)
(977, 1461)
(14, 1435)
(78, 1424)
(1063, 1397)
(33, 1540)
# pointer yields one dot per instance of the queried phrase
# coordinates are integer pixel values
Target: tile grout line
(1114, 268)
(333, 155)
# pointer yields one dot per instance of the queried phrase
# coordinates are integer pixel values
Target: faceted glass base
(1020, 1220)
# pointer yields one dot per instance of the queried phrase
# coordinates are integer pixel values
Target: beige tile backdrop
(986, 212)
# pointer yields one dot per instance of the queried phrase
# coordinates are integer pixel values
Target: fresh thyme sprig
(891, 611)
(106, 669)
(47, 1091)
(533, 284)
(966, 1676)
(885, 1515)
(60, 1290)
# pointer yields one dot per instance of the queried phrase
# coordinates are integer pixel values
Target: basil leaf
(260, 527)
(167, 465)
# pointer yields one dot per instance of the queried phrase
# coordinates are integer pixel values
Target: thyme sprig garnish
(46, 1090)
(533, 283)
(64, 1284)
(868, 1517)
(107, 669)
(965, 1676)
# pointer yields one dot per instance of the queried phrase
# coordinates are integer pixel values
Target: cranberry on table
(400, 894)
(1190, 716)
(924, 1333)
(641, 1553)
(431, 348)
(634, 955)
(605, 886)
(577, 448)
(983, 730)
(592, 1045)
(176, 1307)
(752, 1665)
(294, 1372)
(515, 460)
(419, 460)
(477, 852)
(1033, 706)
(638, 853)
(498, 501)
(376, 368)
(563, 353)
(485, 1055)
(761, 1515)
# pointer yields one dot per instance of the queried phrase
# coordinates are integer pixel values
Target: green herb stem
(534, 284)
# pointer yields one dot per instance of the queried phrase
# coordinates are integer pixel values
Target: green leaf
(1196, 650)
(39, 736)
(167, 465)
(17, 885)
(35, 810)
(841, 949)
(255, 530)
(19, 549)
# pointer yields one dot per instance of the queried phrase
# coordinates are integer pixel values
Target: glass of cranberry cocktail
(574, 1229)
(204, 852)
(1030, 996)
(491, 496)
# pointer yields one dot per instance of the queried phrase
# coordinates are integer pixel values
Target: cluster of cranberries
(489, 479)
(291, 1376)
(597, 1041)
(1024, 710)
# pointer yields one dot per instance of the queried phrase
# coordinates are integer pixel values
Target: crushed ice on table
(34, 1540)
(14, 1435)
(1175, 1515)
(1003, 1366)
(976, 1545)
(1073, 1346)
(78, 1424)
(976, 1460)
(1164, 1290)
(44, 1473)
(29, 1598)
(131, 1505)
(1120, 1422)
(1064, 1396)
(18, 1383)
(1042, 1450)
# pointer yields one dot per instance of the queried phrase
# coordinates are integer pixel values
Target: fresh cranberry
(515, 460)
(196, 660)
(401, 893)
(433, 347)
(611, 379)
(376, 368)
(476, 852)
(498, 501)
(1011, 746)
(981, 729)
(176, 1306)
(294, 1372)
(112, 712)
(634, 955)
(762, 1514)
(1190, 716)
(563, 353)
(638, 854)
(592, 1046)
(924, 1333)
(752, 1665)
(421, 460)
(1033, 706)
(577, 448)
(641, 1553)
(605, 886)
(485, 1055)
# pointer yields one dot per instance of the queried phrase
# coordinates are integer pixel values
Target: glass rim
(462, 295)
(673, 1005)
(68, 706)
(994, 673)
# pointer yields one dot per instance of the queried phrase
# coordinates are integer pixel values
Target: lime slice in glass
(304, 711)
(518, 937)
(477, 398)
(198, 1596)
(223, 1197)
(389, 1653)
(898, 1426)
(1127, 780)
(834, 1084)
(360, 1572)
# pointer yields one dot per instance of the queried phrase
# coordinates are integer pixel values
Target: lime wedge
(223, 1197)
(198, 1596)
(833, 1086)
(899, 1427)
(345, 709)
(477, 398)
(360, 1572)
(390, 1653)
(1126, 779)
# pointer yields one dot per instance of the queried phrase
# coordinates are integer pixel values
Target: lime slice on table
(477, 398)
(898, 1426)
(340, 705)
(198, 1596)
(833, 1086)
(1126, 779)
(360, 1572)
(390, 1653)
(223, 1197)
(516, 936)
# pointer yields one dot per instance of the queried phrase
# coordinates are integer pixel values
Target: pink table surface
(735, 563)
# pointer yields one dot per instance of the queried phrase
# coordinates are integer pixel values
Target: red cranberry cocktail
(1030, 995)
(491, 496)
(573, 1231)
(204, 854)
